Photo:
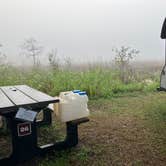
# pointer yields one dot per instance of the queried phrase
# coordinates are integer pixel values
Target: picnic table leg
(47, 118)
(23, 146)
(72, 134)
(71, 137)
(3, 124)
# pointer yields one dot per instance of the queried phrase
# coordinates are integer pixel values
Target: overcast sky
(85, 30)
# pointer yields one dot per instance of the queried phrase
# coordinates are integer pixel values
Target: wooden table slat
(17, 96)
(4, 100)
(35, 94)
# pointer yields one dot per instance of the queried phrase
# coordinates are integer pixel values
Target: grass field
(127, 123)
(126, 130)
(97, 82)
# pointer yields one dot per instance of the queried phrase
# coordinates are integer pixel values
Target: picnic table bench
(24, 133)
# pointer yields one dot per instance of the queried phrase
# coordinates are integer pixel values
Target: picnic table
(23, 132)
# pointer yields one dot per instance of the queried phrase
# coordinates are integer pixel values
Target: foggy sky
(85, 30)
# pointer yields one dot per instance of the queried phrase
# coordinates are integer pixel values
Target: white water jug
(73, 106)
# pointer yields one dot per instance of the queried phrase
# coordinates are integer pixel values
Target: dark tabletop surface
(13, 97)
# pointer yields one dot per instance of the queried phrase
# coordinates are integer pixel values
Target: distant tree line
(32, 49)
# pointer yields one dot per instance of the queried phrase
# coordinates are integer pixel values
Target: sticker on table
(24, 129)
(26, 115)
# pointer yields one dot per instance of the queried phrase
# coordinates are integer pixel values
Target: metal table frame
(25, 147)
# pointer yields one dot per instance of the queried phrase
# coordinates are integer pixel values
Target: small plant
(83, 154)
(53, 59)
(32, 49)
(2, 56)
(123, 56)
(67, 62)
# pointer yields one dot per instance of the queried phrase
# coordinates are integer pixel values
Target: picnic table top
(13, 97)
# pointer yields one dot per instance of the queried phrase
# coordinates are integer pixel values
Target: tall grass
(98, 82)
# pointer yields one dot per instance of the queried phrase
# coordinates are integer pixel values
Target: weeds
(97, 82)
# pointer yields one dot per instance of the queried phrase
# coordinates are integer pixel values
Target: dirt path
(119, 140)
(126, 131)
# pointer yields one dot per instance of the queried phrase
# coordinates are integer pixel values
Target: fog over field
(84, 30)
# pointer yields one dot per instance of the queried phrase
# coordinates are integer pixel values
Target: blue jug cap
(76, 91)
(82, 93)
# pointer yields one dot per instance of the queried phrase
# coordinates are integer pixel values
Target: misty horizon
(85, 31)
